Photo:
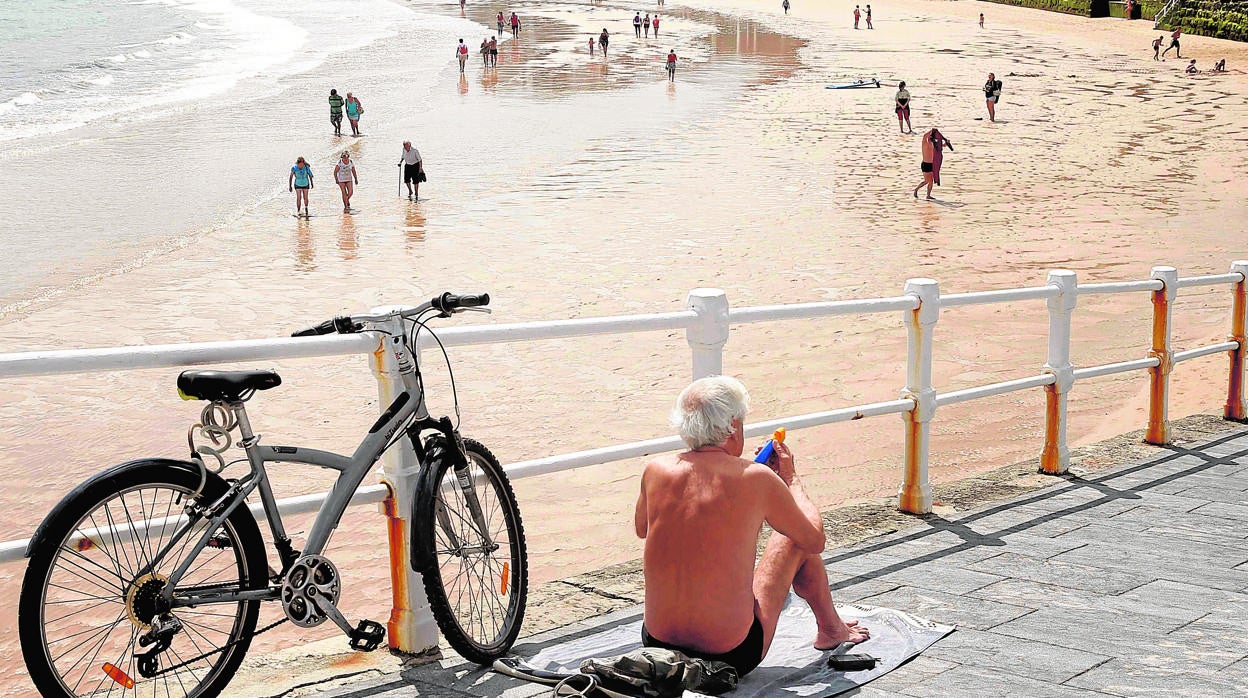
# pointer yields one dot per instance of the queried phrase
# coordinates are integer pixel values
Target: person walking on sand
(300, 181)
(461, 52)
(857, 14)
(603, 39)
(413, 170)
(485, 52)
(645, 25)
(493, 51)
(785, 5)
(903, 107)
(1174, 43)
(591, 44)
(869, 18)
(335, 111)
(354, 111)
(671, 65)
(345, 175)
(981, 20)
(500, 22)
(933, 147)
(461, 6)
(515, 24)
(1157, 47)
(992, 95)
(637, 24)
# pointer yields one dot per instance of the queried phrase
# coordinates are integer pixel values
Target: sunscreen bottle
(770, 447)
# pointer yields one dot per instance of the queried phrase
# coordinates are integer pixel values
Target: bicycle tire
(472, 637)
(60, 539)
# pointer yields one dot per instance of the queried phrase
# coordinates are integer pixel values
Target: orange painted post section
(1159, 376)
(915, 494)
(1235, 407)
(1055, 456)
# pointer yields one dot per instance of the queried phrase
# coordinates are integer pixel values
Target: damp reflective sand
(571, 186)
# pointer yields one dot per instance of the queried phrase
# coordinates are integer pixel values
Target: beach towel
(938, 150)
(792, 666)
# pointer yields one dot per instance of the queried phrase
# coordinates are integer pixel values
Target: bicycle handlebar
(445, 304)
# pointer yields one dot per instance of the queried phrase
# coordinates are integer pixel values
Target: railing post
(1055, 457)
(411, 628)
(1159, 388)
(1235, 408)
(709, 333)
(915, 495)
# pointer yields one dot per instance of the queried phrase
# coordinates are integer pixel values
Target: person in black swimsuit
(701, 512)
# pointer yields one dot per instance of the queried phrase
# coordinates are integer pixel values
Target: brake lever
(487, 311)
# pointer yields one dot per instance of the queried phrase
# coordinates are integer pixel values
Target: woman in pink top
(656, 26)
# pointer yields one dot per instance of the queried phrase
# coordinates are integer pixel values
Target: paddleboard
(518, 668)
(855, 85)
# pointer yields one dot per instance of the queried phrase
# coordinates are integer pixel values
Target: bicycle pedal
(367, 636)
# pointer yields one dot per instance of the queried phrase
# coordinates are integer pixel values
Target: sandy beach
(568, 186)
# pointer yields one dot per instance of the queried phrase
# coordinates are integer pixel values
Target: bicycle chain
(219, 650)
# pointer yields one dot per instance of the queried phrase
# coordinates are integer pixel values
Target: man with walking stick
(412, 171)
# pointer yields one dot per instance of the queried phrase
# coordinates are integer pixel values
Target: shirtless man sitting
(701, 512)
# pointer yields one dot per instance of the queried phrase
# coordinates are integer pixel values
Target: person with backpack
(300, 181)
(461, 52)
(515, 24)
(992, 95)
(645, 25)
(637, 24)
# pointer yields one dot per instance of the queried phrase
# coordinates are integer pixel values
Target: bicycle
(149, 576)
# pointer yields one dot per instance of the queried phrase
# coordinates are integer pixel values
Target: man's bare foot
(847, 632)
(929, 197)
(916, 192)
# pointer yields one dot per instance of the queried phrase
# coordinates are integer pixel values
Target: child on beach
(1220, 66)
(591, 44)
(1191, 67)
(300, 181)
(345, 175)
(1157, 47)
(354, 111)
(981, 20)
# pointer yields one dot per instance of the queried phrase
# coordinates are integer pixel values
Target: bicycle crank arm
(365, 637)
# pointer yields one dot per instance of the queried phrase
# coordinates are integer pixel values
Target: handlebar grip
(341, 324)
(323, 328)
(448, 302)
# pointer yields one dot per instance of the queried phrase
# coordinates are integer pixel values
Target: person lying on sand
(700, 513)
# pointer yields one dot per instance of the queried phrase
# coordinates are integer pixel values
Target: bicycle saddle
(227, 386)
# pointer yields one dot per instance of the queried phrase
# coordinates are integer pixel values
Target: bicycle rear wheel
(90, 591)
(478, 585)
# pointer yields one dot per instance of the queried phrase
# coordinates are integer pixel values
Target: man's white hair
(704, 410)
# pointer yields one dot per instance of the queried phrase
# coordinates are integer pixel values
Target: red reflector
(506, 577)
(85, 544)
(118, 675)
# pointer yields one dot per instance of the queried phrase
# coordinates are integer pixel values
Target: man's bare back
(702, 516)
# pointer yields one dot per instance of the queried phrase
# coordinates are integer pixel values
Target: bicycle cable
(419, 324)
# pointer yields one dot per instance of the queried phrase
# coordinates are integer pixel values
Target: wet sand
(575, 187)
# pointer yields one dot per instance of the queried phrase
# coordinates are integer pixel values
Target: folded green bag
(662, 673)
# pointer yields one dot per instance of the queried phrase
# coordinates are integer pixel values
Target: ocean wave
(176, 39)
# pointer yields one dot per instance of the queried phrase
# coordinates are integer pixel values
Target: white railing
(1165, 10)
(707, 322)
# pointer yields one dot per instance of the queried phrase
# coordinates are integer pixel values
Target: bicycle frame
(352, 470)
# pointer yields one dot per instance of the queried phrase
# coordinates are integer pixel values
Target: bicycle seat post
(239, 410)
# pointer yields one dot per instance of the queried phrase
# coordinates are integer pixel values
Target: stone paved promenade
(1126, 582)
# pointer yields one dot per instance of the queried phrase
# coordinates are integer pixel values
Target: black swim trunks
(927, 167)
(744, 657)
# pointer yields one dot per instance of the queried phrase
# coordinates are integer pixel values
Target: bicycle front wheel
(93, 583)
(478, 585)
